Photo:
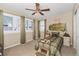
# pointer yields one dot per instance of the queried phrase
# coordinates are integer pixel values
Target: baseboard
(15, 44)
(11, 46)
(29, 40)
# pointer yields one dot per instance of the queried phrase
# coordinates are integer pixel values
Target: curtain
(1, 32)
(38, 28)
(45, 21)
(22, 27)
(34, 30)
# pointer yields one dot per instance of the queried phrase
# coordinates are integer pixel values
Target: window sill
(7, 32)
(29, 31)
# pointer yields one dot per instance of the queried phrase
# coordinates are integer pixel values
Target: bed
(50, 46)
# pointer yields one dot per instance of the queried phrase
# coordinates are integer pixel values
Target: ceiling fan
(38, 10)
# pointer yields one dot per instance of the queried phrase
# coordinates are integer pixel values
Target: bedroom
(23, 28)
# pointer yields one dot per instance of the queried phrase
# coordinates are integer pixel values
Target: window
(28, 24)
(11, 22)
(42, 25)
(8, 23)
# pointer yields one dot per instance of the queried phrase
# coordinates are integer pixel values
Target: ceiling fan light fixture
(38, 10)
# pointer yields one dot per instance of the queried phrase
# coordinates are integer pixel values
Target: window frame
(12, 31)
(43, 25)
(26, 21)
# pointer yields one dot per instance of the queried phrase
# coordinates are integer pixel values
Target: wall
(63, 18)
(11, 39)
(29, 36)
(77, 31)
(76, 28)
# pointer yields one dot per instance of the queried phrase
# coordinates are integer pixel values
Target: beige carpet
(68, 51)
(29, 50)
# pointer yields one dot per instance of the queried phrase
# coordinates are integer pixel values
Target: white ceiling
(19, 9)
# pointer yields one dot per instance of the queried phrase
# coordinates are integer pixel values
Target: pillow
(61, 34)
(55, 34)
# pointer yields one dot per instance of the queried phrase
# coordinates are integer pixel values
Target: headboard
(57, 27)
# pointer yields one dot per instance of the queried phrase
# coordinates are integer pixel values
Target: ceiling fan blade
(37, 6)
(45, 10)
(41, 13)
(30, 9)
(33, 13)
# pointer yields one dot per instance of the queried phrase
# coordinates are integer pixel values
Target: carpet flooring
(28, 49)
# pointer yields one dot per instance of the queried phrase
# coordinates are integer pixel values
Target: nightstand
(67, 41)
